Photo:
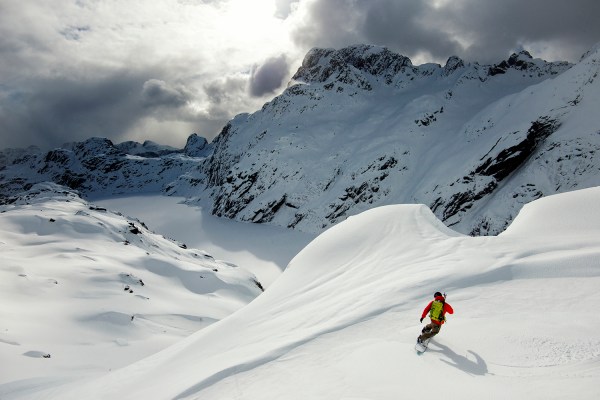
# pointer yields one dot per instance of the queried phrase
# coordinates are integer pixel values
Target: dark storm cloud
(269, 76)
(226, 89)
(405, 25)
(51, 112)
(331, 23)
(70, 70)
(478, 30)
(156, 92)
(571, 27)
(223, 94)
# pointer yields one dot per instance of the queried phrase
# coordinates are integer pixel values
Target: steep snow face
(342, 320)
(364, 127)
(91, 290)
(541, 141)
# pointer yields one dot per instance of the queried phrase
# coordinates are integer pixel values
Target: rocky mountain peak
(523, 61)
(196, 146)
(523, 54)
(95, 146)
(321, 65)
(453, 64)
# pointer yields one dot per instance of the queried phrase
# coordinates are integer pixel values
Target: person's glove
(421, 320)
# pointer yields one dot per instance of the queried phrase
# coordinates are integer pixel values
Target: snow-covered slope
(364, 127)
(341, 321)
(84, 290)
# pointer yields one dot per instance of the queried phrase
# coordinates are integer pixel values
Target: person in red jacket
(437, 309)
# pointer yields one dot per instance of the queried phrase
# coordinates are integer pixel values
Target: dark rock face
(268, 213)
(323, 65)
(454, 63)
(196, 146)
(497, 168)
(519, 61)
(510, 159)
(523, 61)
(367, 192)
(238, 194)
(218, 167)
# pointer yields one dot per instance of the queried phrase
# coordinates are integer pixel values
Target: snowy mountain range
(96, 305)
(362, 127)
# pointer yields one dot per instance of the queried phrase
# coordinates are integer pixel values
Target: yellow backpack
(436, 312)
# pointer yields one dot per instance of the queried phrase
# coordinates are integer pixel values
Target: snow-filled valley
(339, 323)
(262, 249)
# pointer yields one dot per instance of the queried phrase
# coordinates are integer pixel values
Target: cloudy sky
(163, 69)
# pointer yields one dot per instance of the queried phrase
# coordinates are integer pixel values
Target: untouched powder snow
(341, 321)
(84, 290)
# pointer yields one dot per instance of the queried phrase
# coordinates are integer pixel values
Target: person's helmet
(437, 294)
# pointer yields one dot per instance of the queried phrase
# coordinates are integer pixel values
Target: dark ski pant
(430, 331)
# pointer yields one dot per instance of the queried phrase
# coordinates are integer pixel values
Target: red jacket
(447, 309)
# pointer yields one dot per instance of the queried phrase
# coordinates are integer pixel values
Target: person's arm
(426, 310)
(448, 308)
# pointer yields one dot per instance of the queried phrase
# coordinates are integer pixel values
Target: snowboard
(422, 347)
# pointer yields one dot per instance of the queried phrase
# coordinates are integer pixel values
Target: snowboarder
(437, 310)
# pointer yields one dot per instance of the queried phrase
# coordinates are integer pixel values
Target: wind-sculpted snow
(92, 290)
(341, 321)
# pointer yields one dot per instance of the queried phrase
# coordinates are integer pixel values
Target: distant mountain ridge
(362, 127)
(99, 167)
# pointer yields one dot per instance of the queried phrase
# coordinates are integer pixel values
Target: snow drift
(90, 290)
(342, 320)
